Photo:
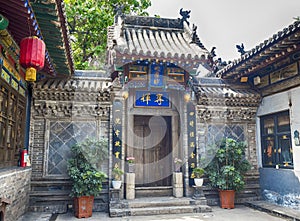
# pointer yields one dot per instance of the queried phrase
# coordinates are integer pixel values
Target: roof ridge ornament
(118, 10)
(195, 38)
(241, 49)
(185, 15)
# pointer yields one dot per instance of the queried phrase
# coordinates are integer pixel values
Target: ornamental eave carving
(70, 109)
(75, 89)
(238, 114)
(229, 102)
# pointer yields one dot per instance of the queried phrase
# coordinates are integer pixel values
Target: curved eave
(22, 23)
(155, 39)
(187, 62)
(52, 20)
(275, 48)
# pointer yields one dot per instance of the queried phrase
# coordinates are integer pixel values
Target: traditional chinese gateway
(152, 104)
(163, 109)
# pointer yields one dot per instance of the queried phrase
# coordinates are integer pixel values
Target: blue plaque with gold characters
(191, 130)
(152, 99)
(117, 133)
(156, 75)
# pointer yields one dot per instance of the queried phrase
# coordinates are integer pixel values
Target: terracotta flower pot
(83, 206)
(227, 199)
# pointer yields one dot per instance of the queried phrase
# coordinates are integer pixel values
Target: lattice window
(63, 135)
(216, 133)
(12, 125)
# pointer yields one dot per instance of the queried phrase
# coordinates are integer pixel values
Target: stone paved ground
(263, 211)
(35, 217)
(240, 213)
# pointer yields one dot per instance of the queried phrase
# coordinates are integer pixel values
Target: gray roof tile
(154, 38)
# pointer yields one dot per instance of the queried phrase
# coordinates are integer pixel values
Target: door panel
(152, 150)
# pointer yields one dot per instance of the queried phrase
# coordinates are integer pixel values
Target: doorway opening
(152, 149)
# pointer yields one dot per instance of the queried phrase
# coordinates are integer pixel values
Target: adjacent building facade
(272, 69)
(18, 20)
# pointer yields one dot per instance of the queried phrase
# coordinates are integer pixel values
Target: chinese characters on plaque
(117, 133)
(156, 75)
(151, 99)
(191, 130)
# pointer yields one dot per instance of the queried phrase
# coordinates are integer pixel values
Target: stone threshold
(274, 209)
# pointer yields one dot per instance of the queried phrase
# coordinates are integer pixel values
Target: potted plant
(117, 174)
(198, 173)
(177, 164)
(226, 170)
(86, 179)
(130, 164)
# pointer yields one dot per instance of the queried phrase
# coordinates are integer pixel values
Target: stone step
(157, 205)
(51, 182)
(168, 210)
(160, 210)
(49, 193)
(159, 202)
(160, 191)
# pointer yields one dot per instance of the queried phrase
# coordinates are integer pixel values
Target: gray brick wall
(37, 148)
(15, 186)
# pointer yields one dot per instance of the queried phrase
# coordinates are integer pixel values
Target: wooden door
(152, 150)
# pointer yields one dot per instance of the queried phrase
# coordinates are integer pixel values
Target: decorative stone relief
(63, 109)
(227, 113)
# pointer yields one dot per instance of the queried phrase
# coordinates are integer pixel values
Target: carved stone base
(130, 186)
(115, 195)
(199, 195)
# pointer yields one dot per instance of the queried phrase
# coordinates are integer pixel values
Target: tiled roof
(45, 19)
(90, 81)
(218, 91)
(280, 44)
(140, 38)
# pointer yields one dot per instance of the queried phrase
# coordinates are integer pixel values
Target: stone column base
(130, 186)
(177, 184)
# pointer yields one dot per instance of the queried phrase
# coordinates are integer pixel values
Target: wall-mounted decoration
(296, 138)
(286, 72)
(175, 74)
(152, 99)
(191, 131)
(156, 75)
(138, 72)
(62, 136)
(32, 56)
(117, 133)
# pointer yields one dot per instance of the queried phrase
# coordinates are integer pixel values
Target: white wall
(289, 100)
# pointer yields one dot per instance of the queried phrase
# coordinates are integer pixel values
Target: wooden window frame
(272, 141)
(12, 123)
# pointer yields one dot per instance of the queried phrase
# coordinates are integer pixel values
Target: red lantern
(32, 56)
